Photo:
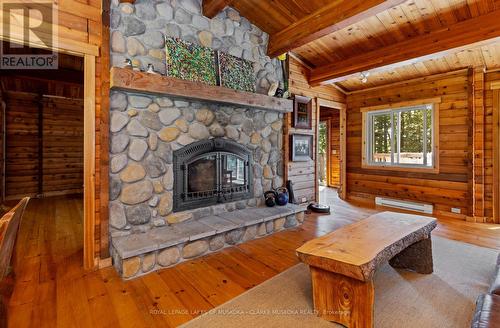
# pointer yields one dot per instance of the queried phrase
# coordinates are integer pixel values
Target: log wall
(44, 154)
(303, 174)
(489, 159)
(445, 189)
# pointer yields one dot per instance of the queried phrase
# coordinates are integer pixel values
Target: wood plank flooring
(53, 290)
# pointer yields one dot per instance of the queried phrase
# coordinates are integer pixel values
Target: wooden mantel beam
(474, 32)
(330, 18)
(212, 7)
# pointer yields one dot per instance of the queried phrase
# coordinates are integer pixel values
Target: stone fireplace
(187, 177)
(187, 174)
(159, 143)
(210, 172)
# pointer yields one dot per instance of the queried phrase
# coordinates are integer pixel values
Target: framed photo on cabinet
(302, 112)
(301, 147)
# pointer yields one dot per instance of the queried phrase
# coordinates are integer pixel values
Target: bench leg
(416, 257)
(342, 299)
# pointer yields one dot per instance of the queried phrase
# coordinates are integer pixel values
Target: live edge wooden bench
(343, 262)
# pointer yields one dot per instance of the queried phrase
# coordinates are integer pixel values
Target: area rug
(445, 298)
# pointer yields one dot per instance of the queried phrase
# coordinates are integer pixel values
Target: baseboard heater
(404, 205)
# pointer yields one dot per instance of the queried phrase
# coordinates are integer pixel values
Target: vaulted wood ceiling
(373, 29)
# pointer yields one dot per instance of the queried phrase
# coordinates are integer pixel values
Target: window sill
(401, 168)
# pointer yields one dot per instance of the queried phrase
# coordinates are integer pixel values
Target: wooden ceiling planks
(409, 19)
(328, 19)
(488, 56)
(478, 31)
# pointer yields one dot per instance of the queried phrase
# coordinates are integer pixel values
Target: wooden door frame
(89, 259)
(343, 156)
(495, 87)
(89, 53)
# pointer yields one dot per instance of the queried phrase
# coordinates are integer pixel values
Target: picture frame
(302, 112)
(301, 147)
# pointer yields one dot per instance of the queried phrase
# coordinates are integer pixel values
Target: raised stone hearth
(138, 254)
(163, 211)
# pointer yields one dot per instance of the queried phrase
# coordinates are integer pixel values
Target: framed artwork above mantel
(302, 112)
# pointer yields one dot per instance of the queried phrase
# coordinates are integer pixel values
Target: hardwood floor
(52, 289)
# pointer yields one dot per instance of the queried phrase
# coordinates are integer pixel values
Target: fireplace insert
(211, 171)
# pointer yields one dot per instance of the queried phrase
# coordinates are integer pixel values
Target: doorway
(43, 152)
(331, 150)
(89, 53)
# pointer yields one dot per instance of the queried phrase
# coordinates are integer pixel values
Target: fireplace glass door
(202, 176)
(234, 173)
(211, 172)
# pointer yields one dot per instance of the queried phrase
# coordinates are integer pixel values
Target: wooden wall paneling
(22, 144)
(62, 140)
(300, 172)
(65, 45)
(479, 146)
(45, 145)
(470, 143)
(343, 154)
(496, 156)
(445, 189)
(492, 103)
(89, 259)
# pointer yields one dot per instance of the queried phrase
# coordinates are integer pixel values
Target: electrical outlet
(455, 210)
(334, 151)
(304, 199)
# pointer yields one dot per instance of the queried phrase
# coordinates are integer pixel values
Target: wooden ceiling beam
(474, 32)
(330, 18)
(212, 7)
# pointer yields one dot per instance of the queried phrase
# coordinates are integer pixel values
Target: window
(401, 137)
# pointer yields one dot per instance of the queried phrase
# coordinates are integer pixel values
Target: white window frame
(367, 136)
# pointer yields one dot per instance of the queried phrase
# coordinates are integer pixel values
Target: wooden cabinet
(302, 112)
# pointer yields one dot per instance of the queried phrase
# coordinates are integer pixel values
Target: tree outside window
(401, 137)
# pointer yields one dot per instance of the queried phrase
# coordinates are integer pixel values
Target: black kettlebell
(270, 198)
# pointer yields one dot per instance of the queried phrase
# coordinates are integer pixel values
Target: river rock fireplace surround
(187, 177)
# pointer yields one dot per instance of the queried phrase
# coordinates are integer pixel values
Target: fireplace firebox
(211, 171)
